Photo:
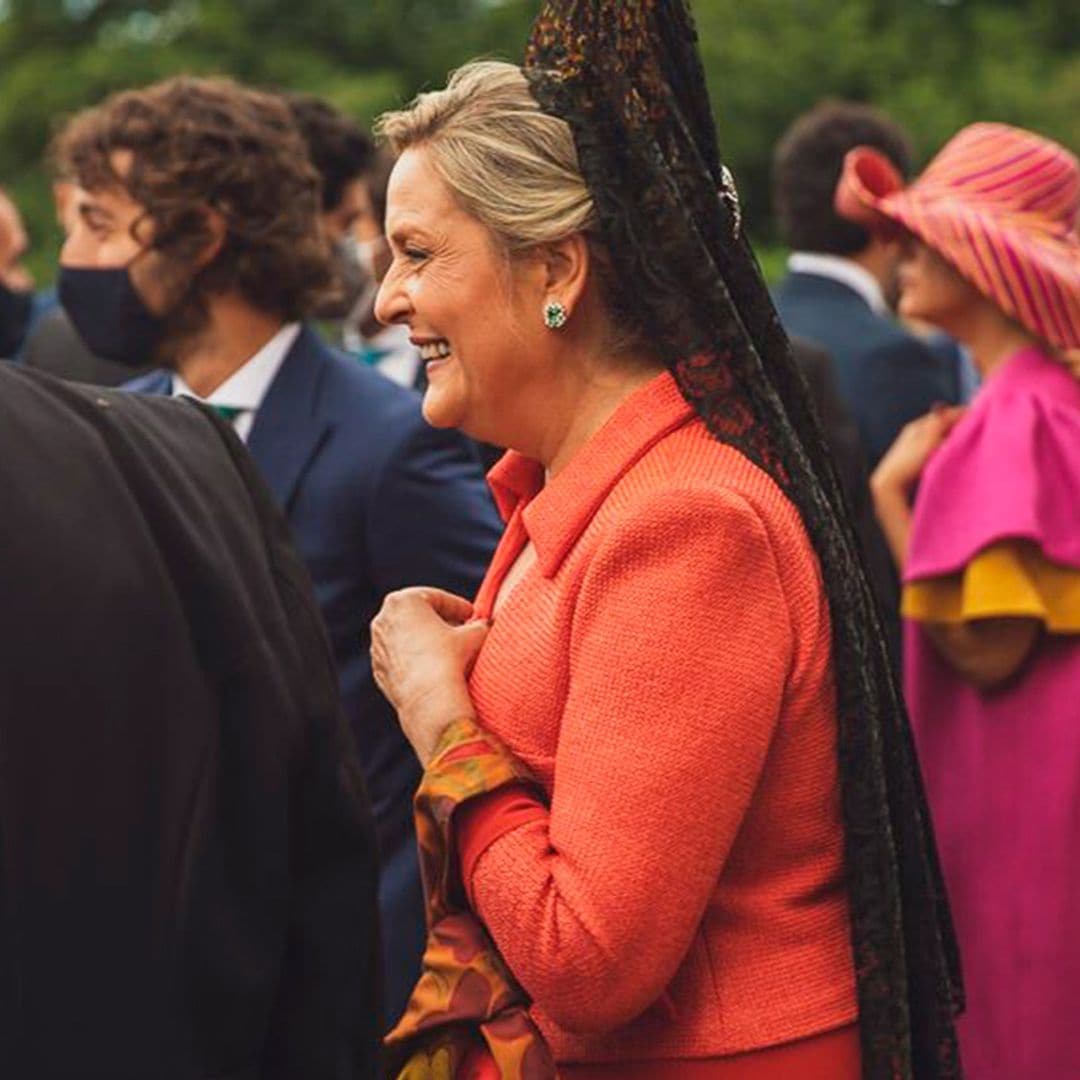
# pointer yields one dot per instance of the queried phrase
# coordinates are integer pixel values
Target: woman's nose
(391, 301)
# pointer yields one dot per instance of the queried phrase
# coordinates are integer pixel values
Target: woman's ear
(566, 270)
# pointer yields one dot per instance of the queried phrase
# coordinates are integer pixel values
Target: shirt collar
(837, 268)
(246, 387)
(556, 513)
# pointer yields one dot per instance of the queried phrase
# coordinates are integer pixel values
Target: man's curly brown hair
(212, 143)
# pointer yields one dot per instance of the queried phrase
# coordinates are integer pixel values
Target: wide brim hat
(1000, 204)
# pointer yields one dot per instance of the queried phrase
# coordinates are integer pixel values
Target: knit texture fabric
(663, 669)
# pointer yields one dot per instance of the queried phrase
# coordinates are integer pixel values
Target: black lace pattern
(627, 77)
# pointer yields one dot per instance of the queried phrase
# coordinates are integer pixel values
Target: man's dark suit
(377, 500)
(188, 865)
(886, 375)
(844, 443)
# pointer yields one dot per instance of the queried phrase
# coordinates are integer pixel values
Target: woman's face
(476, 318)
(932, 291)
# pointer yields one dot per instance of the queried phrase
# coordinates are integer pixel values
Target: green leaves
(935, 64)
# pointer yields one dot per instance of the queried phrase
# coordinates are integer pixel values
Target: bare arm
(985, 652)
(893, 511)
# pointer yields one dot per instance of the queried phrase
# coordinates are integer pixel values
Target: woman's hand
(898, 470)
(422, 648)
(905, 460)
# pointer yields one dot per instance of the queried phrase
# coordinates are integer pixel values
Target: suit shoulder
(893, 338)
(898, 354)
(825, 312)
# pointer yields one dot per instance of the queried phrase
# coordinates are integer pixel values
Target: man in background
(198, 245)
(354, 176)
(387, 348)
(53, 345)
(342, 153)
(16, 285)
(839, 277)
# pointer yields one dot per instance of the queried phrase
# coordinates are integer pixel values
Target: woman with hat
(991, 560)
(670, 819)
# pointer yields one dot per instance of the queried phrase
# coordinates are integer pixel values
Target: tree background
(934, 64)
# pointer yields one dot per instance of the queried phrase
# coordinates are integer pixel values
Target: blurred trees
(935, 64)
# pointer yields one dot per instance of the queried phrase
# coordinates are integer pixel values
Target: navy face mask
(15, 305)
(109, 314)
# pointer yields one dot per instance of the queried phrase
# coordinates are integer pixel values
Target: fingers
(940, 420)
(454, 609)
(450, 608)
(469, 639)
(955, 415)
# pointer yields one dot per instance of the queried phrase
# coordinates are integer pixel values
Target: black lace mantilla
(627, 77)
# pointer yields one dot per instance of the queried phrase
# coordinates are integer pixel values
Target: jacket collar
(556, 513)
(246, 387)
(846, 272)
(288, 428)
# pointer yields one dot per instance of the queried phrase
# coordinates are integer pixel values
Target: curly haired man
(198, 246)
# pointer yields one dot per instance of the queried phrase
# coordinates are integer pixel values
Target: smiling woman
(479, 261)
(669, 816)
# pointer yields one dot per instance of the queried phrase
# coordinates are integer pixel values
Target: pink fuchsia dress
(996, 532)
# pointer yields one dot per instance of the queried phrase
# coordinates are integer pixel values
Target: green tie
(226, 412)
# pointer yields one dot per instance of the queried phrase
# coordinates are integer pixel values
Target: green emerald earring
(555, 315)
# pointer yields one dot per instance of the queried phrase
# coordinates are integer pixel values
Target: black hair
(806, 167)
(339, 148)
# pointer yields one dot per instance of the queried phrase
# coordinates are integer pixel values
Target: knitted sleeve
(681, 645)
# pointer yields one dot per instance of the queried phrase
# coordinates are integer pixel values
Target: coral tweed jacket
(664, 669)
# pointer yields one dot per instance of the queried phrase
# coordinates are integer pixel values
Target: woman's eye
(415, 254)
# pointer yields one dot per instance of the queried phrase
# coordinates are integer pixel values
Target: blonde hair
(511, 166)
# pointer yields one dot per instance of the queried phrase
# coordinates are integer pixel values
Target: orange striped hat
(1001, 205)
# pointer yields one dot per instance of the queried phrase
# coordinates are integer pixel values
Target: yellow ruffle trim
(1009, 579)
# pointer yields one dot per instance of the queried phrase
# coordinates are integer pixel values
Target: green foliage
(935, 64)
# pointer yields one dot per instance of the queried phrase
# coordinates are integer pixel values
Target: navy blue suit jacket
(377, 500)
(885, 374)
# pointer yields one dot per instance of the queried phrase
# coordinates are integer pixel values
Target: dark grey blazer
(188, 868)
(885, 375)
(842, 436)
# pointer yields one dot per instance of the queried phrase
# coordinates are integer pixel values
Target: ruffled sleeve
(1008, 579)
(996, 528)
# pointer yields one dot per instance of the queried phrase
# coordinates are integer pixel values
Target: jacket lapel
(288, 430)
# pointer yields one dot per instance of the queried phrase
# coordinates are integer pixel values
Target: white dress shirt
(246, 387)
(837, 268)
